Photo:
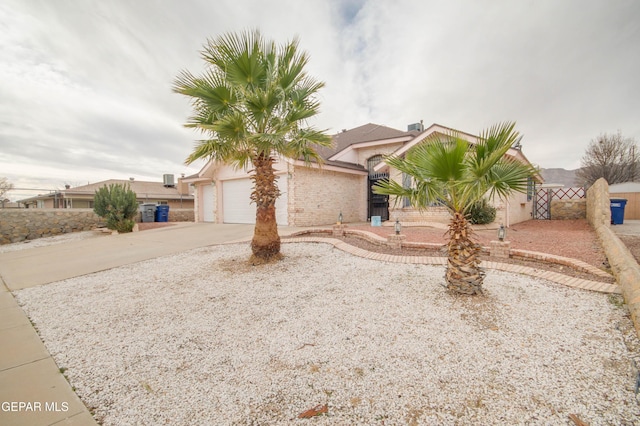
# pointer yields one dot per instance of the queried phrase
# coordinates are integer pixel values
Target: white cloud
(85, 88)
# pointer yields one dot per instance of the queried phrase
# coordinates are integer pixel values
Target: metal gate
(378, 204)
(544, 196)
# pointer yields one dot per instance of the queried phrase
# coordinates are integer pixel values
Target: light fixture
(502, 232)
(398, 227)
(340, 218)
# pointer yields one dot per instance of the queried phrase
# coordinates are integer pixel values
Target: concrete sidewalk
(628, 227)
(33, 391)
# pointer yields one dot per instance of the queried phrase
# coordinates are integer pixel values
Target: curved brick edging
(524, 254)
(625, 268)
(435, 260)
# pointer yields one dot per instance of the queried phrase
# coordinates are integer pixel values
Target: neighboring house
(81, 197)
(313, 195)
(629, 191)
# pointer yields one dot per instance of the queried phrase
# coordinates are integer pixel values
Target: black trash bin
(148, 212)
(617, 210)
(162, 213)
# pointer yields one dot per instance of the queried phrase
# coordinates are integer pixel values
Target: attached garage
(237, 206)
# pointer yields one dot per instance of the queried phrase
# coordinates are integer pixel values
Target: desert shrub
(118, 204)
(481, 212)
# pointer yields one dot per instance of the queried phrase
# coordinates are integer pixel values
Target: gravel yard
(202, 338)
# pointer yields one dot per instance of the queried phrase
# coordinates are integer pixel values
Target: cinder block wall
(27, 224)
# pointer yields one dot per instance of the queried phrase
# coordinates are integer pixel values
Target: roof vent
(417, 127)
(131, 179)
(167, 181)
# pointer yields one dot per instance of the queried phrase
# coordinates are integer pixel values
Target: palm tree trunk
(266, 241)
(464, 274)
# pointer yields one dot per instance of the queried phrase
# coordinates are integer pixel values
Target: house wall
(316, 197)
(365, 153)
(519, 209)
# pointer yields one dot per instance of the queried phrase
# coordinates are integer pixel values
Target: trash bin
(162, 213)
(617, 210)
(148, 212)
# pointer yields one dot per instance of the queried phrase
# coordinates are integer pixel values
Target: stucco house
(313, 195)
(176, 196)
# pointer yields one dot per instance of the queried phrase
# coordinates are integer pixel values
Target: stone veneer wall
(568, 209)
(181, 215)
(598, 209)
(27, 224)
(623, 264)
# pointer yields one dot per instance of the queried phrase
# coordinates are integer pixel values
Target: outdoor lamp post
(502, 232)
(398, 227)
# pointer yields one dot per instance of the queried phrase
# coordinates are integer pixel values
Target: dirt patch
(633, 244)
(441, 252)
(568, 238)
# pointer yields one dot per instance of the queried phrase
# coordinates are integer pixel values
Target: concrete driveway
(628, 227)
(42, 265)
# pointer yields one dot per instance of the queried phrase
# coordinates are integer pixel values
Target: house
(81, 197)
(313, 195)
(629, 191)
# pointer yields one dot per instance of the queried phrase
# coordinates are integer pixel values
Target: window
(372, 162)
(531, 188)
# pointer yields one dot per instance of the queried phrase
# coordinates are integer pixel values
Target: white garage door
(237, 206)
(208, 192)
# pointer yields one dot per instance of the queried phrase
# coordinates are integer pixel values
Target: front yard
(202, 338)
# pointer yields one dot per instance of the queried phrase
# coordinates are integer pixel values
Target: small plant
(481, 213)
(118, 204)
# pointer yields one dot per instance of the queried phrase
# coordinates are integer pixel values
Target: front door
(378, 204)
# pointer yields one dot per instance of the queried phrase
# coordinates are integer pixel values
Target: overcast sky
(85, 86)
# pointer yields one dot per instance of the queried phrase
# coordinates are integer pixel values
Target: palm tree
(455, 173)
(252, 102)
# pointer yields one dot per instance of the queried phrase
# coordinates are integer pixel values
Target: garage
(237, 206)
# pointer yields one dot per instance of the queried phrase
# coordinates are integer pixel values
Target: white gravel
(201, 338)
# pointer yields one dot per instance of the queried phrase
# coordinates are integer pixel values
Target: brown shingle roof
(365, 133)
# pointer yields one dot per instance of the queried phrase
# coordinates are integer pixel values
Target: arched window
(372, 162)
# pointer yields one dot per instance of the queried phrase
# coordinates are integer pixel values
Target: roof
(624, 187)
(365, 133)
(141, 188)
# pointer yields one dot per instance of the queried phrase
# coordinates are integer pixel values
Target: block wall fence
(27, 224)
(623, 264)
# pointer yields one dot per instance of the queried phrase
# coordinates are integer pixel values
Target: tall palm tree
(252, 103)
(455, 173)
